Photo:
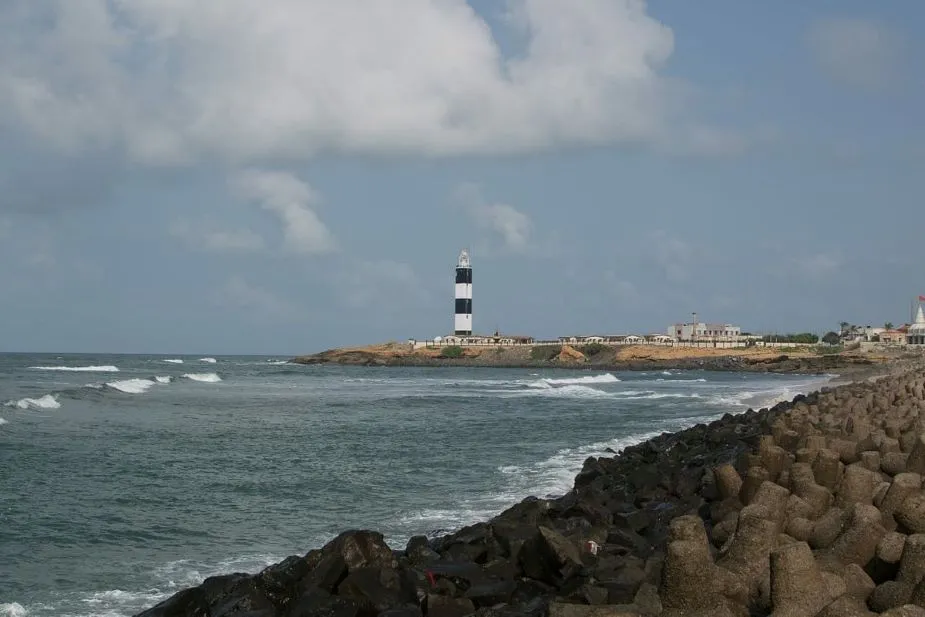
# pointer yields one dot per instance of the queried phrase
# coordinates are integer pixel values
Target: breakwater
(813, 507)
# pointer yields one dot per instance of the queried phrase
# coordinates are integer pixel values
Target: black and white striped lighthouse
(463, 317)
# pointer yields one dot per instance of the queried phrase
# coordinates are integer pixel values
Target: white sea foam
(701, 380)
(550, 477)
(570, 381)
(79, 369)
(208, 360)
(13, 609)
(555, 475)
(48, 401)
(205, 377)
(576, 391)
(163, 379)
(2, 422)
(569, 391)
(131, 386)
(174, 361)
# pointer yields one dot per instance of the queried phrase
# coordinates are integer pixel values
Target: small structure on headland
(700, 331)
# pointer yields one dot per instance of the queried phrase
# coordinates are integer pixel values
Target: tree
(888, 325)
(831, 338)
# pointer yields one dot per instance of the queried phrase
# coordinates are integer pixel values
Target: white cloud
(511, 224)
(858, 52)
(173, 81)
(261, 302)
(290, 199)
(241, 240)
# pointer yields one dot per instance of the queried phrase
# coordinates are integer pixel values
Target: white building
(704, 331)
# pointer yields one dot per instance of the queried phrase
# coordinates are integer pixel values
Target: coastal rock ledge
(813, 508)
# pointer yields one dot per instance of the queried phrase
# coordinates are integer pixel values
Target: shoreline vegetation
(812, 508)
(796, 359)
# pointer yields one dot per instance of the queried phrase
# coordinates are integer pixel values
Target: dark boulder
(320, 603)
(550, 557)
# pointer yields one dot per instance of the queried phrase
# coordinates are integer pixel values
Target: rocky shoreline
(812, 508)
(778, 363)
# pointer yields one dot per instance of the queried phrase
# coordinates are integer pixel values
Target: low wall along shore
(813, 508)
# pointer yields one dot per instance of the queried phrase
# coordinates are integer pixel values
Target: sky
(285, 176)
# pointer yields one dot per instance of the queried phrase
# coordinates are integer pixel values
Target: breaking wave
(131, 386)
(13, 609)
(571, 381)
(204, 377)
(174, 361)
(208, 360)
(79, 369)
(48, 401)
(136, 385)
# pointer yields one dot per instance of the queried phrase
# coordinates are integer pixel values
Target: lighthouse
(463, 317)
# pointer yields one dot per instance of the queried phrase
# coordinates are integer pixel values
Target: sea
(125, 478)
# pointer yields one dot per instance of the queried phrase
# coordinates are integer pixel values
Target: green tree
(831, 338)
(453, 351)
(888, 325)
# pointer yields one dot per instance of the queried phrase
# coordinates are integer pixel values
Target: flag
(921, 298)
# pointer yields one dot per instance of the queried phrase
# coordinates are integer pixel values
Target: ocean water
(126, 478)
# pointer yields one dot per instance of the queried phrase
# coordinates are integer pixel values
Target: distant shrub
(544, 353)
(805, 338)
(591, 349)
(453, 351)
(829, 350)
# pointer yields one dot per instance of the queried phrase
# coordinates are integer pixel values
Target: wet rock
(444, 606)
(319, 603)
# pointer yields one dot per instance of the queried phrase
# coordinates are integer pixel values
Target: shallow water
(127, 478)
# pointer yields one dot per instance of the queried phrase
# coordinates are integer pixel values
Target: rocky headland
(611, 358)
(812, 508)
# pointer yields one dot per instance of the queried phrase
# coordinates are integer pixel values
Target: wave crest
(13, 609)
(79, 369)
(547, 382)
(131, 386)
(208, 360)
(204, 377)
(43, 402)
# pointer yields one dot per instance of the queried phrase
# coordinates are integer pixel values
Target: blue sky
(283, 176)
